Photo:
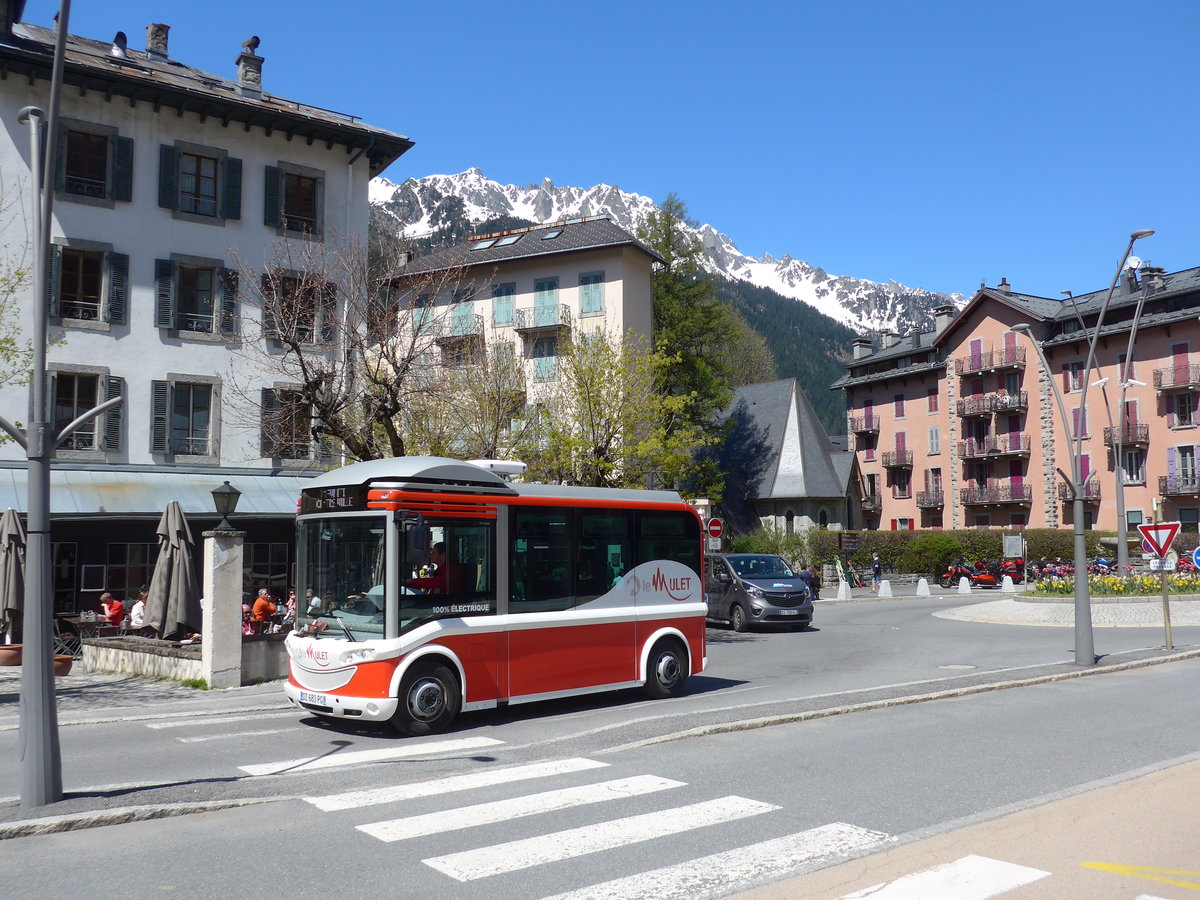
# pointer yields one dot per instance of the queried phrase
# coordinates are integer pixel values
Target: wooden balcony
(1130, 435)
(897, 459)
(931, 499)
(1181, 484)
(864, 424)
(990, 361)
(997, 494)
(1091, 491)
(1177, 378)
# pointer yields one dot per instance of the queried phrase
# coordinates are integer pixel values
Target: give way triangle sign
(1159, 536)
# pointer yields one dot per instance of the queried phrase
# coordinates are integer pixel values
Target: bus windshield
(343, 577)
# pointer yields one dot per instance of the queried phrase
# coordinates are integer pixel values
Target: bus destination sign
(342, 498)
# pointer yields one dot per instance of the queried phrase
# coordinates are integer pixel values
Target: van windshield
(761, 567)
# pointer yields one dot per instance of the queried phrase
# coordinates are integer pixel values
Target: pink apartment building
(959, 427)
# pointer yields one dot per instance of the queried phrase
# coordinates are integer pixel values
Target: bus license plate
(318, 699)
(789, 612)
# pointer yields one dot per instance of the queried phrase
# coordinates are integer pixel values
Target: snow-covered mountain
(421, 206)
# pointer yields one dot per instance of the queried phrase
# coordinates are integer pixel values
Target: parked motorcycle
(1013, 568)
(980, 574)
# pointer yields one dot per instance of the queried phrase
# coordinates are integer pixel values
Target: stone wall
(137, 657)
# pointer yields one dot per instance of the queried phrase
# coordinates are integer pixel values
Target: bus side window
(605, 550)
(542, 566)
(669, 536)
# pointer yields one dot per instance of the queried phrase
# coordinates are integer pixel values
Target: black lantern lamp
(225, 499)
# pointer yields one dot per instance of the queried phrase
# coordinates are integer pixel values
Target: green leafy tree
(603, 423)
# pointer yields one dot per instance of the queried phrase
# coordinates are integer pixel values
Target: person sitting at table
(114, 609)
(137, 615)
(263, 608)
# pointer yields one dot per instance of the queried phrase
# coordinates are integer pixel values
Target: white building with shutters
(169, 180)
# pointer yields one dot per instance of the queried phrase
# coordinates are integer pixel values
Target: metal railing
(861, 424)
(1129, 434)
(930, 499)
(990, 360)
(544, 317)
(456, 328)
(1180, 376)
(897, 458)
(996, 494)
(986, 404)
(1179, 483)
(1091, 491)
(872, 503)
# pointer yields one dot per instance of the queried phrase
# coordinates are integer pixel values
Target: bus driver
(447, 579)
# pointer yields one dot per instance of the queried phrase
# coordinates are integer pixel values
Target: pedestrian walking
(876, 571)
(814, 581)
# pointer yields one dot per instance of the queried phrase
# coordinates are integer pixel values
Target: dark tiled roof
(575, 235)
(846, 381)
(91, 65)
(816, 475)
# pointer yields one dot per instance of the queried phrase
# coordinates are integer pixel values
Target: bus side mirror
(417, 537)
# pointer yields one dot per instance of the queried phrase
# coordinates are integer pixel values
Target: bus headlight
(358, 655)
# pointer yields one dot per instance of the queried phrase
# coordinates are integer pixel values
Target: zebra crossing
(713, 875)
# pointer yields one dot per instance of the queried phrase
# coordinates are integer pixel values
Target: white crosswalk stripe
(487, 778)
(513, 856)
(970, 878)
(741, 866)
(517, 808)
(356, 757)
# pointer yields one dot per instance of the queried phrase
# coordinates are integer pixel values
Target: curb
(78, 821)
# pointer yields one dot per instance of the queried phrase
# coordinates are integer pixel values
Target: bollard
(885, 589)
(922, 588)
(843, 590)
(964, 585)
(1007, 585)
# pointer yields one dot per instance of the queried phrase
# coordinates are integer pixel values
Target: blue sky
(938, 144)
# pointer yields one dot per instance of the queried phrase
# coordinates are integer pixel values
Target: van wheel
(666, 670)
(737, 618)
(429, 700)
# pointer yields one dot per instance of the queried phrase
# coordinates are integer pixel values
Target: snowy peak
(450, 204)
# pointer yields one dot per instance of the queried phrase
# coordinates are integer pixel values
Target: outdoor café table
(90, 628)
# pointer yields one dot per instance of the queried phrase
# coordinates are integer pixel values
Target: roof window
(551, 235)
(508, 240)
(482, 245)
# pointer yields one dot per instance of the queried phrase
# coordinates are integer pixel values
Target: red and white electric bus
(541, 591)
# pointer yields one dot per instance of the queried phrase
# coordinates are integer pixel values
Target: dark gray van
(746, 589)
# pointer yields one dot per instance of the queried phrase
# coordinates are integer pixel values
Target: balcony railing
(1130, 435)
(1009, 444)
(458, 328)
(1180, 483)
(990, 361)
(1091, 491)
(987, 404)
(897, 459)
(864, 424)
(996, 494)
(931, 499)
(544, 318)
(971, 449)
(1176, 378)
(872, 503)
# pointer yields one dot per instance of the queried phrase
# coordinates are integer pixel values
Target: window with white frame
(1185, 402)
(935, 440)
(1133, 465)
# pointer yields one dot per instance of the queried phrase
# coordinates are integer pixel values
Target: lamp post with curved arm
(1085, 652)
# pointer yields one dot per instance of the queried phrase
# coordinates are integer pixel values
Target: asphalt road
(807, 791)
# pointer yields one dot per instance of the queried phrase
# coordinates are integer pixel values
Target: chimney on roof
(942, 317)
(1004, 286)
(862, 347)
(156, 42)
(250, 70)
(120, 46)
(888, 340)
(1152, 278)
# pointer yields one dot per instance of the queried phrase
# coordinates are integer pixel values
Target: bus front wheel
(666, 670)
(429, 700)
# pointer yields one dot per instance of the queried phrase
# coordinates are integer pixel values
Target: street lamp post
(1085, 653)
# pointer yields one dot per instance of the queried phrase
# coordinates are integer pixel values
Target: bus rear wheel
(429, 700)
(666, 670)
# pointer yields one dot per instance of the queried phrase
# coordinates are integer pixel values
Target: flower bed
(1131, 585)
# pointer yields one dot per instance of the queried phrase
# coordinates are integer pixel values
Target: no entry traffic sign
(1159, 535)
(715, 528)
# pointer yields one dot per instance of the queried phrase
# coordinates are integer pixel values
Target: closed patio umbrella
(12, 573)
(173, 600)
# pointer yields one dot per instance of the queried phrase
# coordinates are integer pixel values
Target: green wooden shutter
(168, 176)
(273, 196)
(54, 282)
(229, 300)
(118, 287)
(164, 293)
(231, 189)
(160, 417)
(111, 433)
(122, 188)
(269, 429)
